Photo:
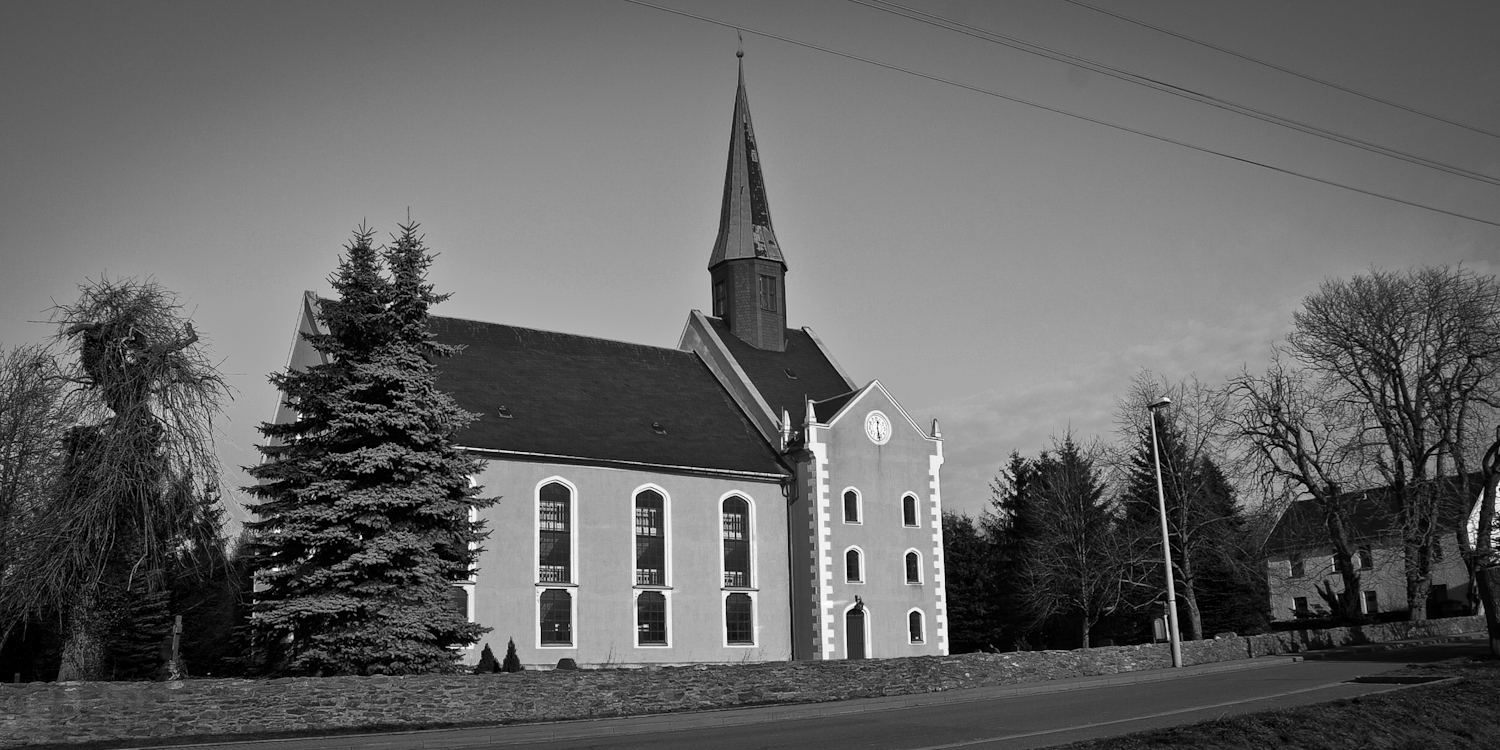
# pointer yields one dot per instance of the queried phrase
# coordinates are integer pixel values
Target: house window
(909, 510)
(557, 618)
(1366, 559)
(768, 293)
(1299, 606)
(913, 567)
(719, 297)
(650, 539)
(914, 626)
(1297, 567)
(651, 618)
(554, 534)
(739, 620)
(737, 542)
(851, 506)
(852, 572)
(1371, 603)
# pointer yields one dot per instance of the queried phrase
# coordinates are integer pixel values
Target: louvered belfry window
(555, 534)
(650, 540)
(736, 542)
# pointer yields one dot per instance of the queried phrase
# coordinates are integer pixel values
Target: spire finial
(740, 52)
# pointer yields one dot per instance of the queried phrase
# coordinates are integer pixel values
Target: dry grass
(1463, 714)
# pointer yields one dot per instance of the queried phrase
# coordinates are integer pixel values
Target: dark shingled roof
(824, 410)
(594, 398)
(816, 377)
(1375, 515)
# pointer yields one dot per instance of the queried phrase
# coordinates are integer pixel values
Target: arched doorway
(854, 631)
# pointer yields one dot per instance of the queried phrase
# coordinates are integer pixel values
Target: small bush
(512, 661)
(487, 663)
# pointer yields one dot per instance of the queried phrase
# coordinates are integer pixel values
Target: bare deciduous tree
(127, 495)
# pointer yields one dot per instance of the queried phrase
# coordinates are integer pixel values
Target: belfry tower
(747, 269)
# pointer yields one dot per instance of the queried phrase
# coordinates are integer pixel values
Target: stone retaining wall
(42, 712)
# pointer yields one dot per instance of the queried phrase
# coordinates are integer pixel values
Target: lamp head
(1159, 403)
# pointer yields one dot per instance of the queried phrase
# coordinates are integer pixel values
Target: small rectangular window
(1299, 605)
(1297, 569)
(909, 510)
(651, 618)
(768, 293)
(914, 626)
(1366, 559)
(739, 620)
(557, 618)
(719, 298)
(1371, 602)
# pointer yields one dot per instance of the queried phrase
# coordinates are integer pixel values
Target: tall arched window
(555, 534)
(913, 567)
(914, 626)
(737, 542)
(557, 617)
(650, 539)
(853, 572)
(909, 510)
(651, 618)
(851, 506)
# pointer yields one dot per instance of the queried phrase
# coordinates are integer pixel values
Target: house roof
(1375, 513)
(590, 398)
(745, 216)
(786, 379)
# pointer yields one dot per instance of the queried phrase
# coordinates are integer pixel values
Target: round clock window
(877, 427)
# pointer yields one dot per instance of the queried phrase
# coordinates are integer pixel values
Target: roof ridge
(561, 333)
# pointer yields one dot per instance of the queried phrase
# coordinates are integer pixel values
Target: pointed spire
(745, 216)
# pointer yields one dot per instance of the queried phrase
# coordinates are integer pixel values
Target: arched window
(914, 625)
(651, 618)
(557, 618)
(851, 506)
(909, 510)
(650, 539)
(737, 542)
(913, 567)
(739, 620)
(555, 533)
(852, 571)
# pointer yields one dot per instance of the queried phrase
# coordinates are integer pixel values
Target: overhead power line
(1285, 69)
(1119, 73)
(1056, 110)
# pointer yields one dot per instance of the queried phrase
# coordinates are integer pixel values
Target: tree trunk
(1489, 594)
(1084, 628)
(83, 653)
(1194, 616)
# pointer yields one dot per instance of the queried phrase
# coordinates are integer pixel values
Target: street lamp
(1173, 635)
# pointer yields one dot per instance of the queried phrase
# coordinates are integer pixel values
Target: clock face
(877, 428)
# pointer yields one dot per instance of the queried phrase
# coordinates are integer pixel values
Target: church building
(737, 498)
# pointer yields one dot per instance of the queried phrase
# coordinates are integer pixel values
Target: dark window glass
(555, 536)
(458, 601)
(1296, 561)
(736, 542)
(1299, 605)
(557, 618)
(1366, 559)
(650, 540)
(851, 506)
(719, 299)
(914, 625)
(738, 620)
(1372, 604)
(909, 510)
(913, 568)
(851, 566)
(768, 293)
(651, 618)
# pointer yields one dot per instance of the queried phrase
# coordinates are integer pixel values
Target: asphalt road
(1016, 721)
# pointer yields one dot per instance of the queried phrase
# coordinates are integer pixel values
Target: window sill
(651, 587)
(744, 589)
(556, 585)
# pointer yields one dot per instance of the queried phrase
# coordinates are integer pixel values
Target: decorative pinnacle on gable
(745, 217)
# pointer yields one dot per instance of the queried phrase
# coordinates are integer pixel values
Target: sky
(998, 266)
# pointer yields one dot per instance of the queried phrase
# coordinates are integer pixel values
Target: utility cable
(1286, 70)
(1178, 91)
(1055, 110)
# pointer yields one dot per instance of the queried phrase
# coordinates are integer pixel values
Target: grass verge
(1463, 714)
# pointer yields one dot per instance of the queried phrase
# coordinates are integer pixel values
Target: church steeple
(747, 269)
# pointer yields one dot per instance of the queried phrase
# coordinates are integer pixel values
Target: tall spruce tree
(363, 521)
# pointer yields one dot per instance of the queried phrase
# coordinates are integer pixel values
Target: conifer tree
(363, 521)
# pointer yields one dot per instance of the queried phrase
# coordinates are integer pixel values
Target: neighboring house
(737, 498)
(1300, 559)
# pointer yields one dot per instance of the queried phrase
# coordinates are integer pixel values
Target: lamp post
(1173, 634)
